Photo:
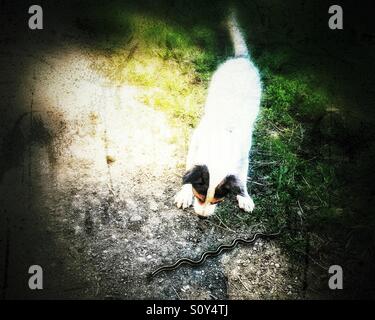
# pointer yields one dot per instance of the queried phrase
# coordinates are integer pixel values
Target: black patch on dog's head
(229, 185)
(199, 177)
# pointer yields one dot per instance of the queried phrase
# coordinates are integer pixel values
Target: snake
(213, 253)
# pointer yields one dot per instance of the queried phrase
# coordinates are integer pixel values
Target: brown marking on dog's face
(201, 197)
(216, 200)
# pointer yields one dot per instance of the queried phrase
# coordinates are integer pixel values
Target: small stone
(110, 159)
(135, 218)
(77, 229)
(185, 288)
(277, 265)
(153, 206)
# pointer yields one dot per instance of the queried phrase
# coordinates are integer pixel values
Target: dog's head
(207, 195)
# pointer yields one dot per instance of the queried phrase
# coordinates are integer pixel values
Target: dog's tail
(238, 40)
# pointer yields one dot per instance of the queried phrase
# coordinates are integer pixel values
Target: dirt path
(87, 184)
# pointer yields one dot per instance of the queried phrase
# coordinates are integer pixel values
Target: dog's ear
(230, 184)
(196, 175)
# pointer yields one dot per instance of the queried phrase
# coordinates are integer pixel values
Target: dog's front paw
(245, 203)
(184, 198)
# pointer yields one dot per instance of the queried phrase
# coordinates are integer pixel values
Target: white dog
(217, 162)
